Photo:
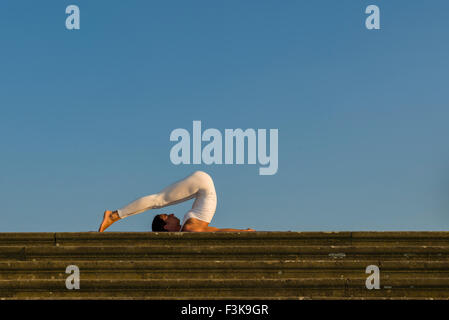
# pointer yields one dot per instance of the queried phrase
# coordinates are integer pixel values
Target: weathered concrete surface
(265, 265)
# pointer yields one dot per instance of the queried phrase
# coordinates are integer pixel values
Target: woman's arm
(228, 230)
(194, 228)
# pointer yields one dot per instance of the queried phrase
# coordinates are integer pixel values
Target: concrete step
(215, 289)
(228, 238)
(92, 270)
(205, 252)
(260, 265)
(221, 275)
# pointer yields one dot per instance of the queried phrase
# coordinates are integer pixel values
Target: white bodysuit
(198, 185)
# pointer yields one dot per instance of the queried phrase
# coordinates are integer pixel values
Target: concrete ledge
(265, 265)
(142, 238)
(231, 252)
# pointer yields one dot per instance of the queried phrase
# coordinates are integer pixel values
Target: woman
(198, 186)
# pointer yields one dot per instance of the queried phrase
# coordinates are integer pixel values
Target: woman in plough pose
(198, 186)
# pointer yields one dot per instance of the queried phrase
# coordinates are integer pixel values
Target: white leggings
(198, 185)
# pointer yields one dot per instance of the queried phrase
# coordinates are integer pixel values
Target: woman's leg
(180, 191)
(183, 190)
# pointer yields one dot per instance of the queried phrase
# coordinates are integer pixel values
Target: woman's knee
(204, 180)
(202, 175)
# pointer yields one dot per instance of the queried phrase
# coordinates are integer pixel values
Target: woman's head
(165, 223)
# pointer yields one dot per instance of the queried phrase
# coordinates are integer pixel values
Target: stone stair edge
(54, 236)
(135, 284)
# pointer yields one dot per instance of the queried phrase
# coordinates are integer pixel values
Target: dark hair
(158, 224)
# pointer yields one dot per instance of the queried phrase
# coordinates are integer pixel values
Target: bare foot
(109, 218)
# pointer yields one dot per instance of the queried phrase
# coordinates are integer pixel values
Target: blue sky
(362, 115)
